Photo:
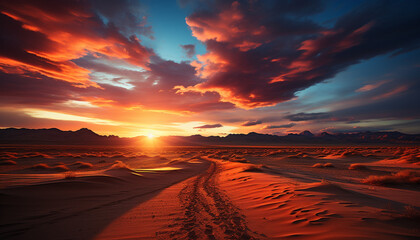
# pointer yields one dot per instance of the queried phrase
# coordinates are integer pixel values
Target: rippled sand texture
(210, 193)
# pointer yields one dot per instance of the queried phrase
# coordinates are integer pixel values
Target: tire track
(208, 213)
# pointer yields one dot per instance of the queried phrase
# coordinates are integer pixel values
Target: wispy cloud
(69, 117)
(251, 123)
(217, 125)
(391, 93)
(280, 126)
(298, 117)
(370, 87)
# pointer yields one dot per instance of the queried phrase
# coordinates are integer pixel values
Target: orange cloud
(65, 71)
(45, 39)
(262, 54)
(391, 93)
(369, 87)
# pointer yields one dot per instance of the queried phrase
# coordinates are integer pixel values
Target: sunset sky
(184, 67)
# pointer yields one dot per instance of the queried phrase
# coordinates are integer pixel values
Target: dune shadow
(80, 208)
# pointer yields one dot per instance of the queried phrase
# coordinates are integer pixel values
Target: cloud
(189, 50)
(251, 123)
(44, 37)
(119, 88)
(262, 53)
(369, 87)
(129, 16)
(68, 117)
(293, 131)
(298, 117)
(33, 89)
(391, 101)
(391, 93)
(217, 125)
(85, 58)
(280, 126)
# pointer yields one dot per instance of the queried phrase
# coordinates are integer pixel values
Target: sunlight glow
(68, 117)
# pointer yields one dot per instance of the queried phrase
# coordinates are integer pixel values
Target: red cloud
(44, 37)
(258, 54)
(151, 90)
(262, 53)
(46, 41)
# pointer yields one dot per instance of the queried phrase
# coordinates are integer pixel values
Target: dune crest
(210, 193)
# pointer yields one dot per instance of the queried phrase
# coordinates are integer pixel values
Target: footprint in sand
(321, 213)
(278, 196)
(294, 211)
(270, 196)
(306, 210)
(319, 220)
(299, 221)
(281, 205)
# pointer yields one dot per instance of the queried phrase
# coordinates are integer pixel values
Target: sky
(131, 68)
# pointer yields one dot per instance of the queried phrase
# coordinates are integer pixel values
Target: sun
(150, 140)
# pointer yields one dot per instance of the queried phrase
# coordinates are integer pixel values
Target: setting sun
(150, 136)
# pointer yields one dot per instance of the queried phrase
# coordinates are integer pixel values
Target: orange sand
(204, 193)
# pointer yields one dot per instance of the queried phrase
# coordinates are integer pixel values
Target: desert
(51, 192)
(209, 119)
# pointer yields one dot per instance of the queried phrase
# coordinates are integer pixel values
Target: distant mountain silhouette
(54, 136)
(84, 136)
(306, 133)
(303, 138)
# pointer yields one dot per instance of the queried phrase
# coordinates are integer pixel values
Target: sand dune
(204, 193)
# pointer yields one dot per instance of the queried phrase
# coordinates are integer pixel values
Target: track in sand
(208, 212)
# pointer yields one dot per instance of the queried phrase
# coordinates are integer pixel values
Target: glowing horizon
(165, 68)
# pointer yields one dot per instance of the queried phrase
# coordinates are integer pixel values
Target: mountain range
(84, 136)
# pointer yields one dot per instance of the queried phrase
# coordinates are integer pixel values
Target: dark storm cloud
(262, 53)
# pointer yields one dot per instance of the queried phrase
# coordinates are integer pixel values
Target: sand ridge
(206, 193)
